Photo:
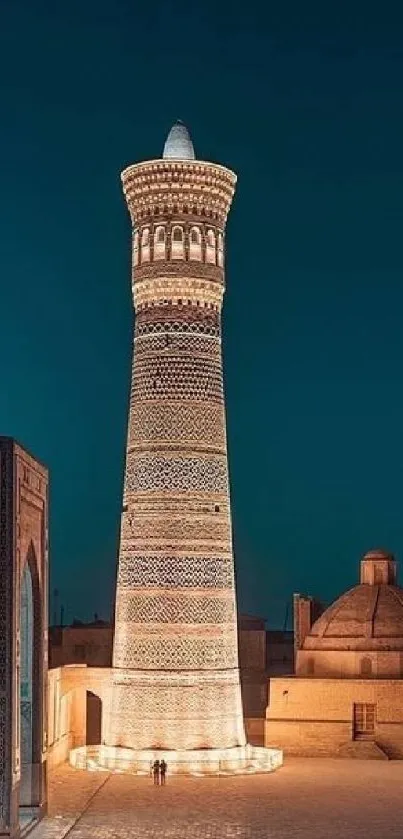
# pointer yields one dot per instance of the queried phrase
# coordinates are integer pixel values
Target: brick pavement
(306, 799)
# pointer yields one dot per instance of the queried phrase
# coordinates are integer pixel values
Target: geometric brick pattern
(175, 657)
(175, 422)
(162, 571)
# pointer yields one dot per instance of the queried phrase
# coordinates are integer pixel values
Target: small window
(145, 238)
(177, 244)
(217, 508)
(210, 239)
(220, 250)
(159, 243)
(363, 721)
(195, 244)
(210, 247)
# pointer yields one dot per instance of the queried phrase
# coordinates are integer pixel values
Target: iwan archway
(23, 636)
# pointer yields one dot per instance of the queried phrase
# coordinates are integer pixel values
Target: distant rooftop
(178, 144)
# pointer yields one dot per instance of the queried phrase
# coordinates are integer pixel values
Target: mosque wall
(69, 690)
(350, 664)
(316, 716)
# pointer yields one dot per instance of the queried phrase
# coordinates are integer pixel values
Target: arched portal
(26, 680)
(30, 704)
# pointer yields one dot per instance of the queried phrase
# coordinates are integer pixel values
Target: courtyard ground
(306, 799)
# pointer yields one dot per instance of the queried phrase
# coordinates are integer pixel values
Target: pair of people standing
(159, 771)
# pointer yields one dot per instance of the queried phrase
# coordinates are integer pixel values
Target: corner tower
(175, 659)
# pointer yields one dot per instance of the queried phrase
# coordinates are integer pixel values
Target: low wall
(315, 716)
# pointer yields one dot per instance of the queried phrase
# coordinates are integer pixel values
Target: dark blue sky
(305, 103)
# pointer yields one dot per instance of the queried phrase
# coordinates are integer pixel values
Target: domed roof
(368, 616)
(178, 144)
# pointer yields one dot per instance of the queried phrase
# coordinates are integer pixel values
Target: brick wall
(315, 716)
(67, 706)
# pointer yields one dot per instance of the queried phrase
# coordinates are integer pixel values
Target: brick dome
(368, 616)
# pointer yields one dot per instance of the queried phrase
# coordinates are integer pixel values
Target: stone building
(346, 697)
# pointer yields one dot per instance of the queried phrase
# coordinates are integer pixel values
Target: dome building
(347, 692)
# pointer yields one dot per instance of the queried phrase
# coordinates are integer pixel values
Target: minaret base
(241, 760)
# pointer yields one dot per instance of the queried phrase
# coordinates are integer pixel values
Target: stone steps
(362, 749)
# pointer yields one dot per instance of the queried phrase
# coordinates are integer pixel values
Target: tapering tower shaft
(175, 657)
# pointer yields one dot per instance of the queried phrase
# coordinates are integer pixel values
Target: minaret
(175, 657)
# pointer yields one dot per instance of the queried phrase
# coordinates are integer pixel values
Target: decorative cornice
(166, 188)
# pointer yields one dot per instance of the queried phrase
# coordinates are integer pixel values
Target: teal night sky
(306, 105)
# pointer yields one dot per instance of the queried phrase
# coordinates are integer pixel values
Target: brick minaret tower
(175, 658)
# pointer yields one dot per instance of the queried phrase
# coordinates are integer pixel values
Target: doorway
(26, 693)
(30, 716)
(94, 719)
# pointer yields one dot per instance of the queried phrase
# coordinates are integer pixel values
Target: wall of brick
(67, 706)
(315, 716)
(348, 664)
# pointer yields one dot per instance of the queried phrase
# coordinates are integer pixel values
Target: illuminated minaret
(175, 657)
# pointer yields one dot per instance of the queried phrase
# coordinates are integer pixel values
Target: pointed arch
(145, 245)
(159, 242)
(210, 246)
(177, 242)
(195, 243)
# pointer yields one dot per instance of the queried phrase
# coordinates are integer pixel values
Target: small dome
(178, 144)
(367, 617)
(377, 554)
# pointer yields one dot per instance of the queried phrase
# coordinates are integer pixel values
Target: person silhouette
(156, 772)
(163, 771)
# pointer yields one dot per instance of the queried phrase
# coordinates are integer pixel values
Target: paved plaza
(306, 799)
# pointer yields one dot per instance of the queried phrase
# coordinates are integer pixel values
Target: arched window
(210, 247)
(220, 250)
(365, 666)
(177, 235)
(195, 244)
(177, 245)
(136, 248)
(145, 245)
(159, 243)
